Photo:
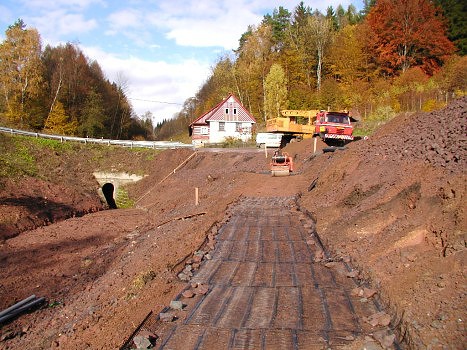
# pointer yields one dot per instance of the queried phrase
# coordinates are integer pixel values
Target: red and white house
(228, 119)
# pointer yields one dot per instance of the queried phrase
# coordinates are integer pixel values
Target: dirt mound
(35, 203)
(392, 205)
(438, 138)
(396, 205)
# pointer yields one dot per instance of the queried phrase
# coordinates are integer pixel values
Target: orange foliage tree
(408, 33)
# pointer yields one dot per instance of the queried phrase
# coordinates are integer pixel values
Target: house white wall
(219, 131)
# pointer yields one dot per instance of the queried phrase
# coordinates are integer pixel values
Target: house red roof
(218, 112)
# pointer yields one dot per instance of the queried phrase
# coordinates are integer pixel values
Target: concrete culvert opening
(108, 191)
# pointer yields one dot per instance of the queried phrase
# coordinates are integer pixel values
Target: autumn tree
(275, 90)
(72, 79)
(408, 88)
(58, 122)
(68, 77)
(220, 83)
(348, 65)
(408, 33)
(347, 56)
(452, 80)
(20, 70)
(251, 67)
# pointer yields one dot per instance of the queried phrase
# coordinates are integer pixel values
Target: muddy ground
(393, 204)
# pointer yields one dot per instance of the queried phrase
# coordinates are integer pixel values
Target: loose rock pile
(194, 263)
(438, 138)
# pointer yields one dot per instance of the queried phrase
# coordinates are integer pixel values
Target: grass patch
(151, 155)
(54, 145)
(143, 278)
(55, 161)
(122, 199)
(15, 158)
(140, 281)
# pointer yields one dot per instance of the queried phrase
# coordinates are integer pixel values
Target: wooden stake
(265, 151)
(314, 145)
(196, 196)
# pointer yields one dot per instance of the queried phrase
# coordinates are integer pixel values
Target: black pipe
(21, 309)
(17, 305)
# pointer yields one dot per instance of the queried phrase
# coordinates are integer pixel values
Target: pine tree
(455, 12)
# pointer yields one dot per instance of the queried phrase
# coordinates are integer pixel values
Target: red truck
(334, 126)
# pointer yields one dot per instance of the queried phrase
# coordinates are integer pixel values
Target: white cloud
(159, 87)
(128, 18)
(204, 23)
(129, 23)
(223, 31)
(58, 24)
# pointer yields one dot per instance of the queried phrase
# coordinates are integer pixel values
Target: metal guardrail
(123, 143)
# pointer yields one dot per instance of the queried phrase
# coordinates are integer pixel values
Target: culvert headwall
(109, 184)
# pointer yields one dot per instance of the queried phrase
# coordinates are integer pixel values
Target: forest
(393, 56)
(58, 90)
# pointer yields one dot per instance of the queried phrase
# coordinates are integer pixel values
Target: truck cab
(334, 126)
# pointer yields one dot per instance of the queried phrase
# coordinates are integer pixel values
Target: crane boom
(299, 113)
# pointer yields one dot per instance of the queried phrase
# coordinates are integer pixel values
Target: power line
(164, 102)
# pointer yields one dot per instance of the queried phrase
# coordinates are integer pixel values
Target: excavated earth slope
(391, 206)
(396, 204)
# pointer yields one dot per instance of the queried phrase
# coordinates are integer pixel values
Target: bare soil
(393, 205)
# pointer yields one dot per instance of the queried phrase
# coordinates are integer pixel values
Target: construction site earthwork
(359, 247)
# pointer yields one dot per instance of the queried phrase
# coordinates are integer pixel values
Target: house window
(226, 111)
(204, 130)
(235, 111)
(221, 126)
(238, 127)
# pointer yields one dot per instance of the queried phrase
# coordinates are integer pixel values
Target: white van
(269, 139)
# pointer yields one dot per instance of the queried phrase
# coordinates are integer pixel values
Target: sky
(162, 51)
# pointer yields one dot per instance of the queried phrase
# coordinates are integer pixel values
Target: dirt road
(270, 285)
